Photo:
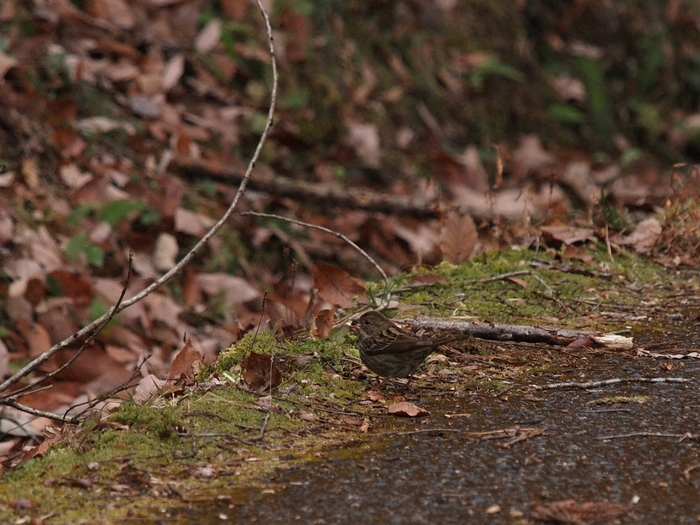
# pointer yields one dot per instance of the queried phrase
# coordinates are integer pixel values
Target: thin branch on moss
(36, 412)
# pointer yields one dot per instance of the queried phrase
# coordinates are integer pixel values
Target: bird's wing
(396, 345)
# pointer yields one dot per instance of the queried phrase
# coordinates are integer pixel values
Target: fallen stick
(525, 334)
(616, 381)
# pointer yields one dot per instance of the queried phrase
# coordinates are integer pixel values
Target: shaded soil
(455, 475)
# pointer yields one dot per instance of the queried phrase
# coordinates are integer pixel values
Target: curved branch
(83, 332)
(327, 230)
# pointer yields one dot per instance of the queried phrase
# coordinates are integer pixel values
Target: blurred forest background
(423, 130)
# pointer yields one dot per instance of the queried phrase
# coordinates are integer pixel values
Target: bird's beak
(353, 323)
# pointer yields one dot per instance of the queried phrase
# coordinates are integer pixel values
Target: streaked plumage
(390, 351)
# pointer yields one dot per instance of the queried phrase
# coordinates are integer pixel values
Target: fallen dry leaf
(174, 69)
(520, 282)
(568, 88)
(322, 324)
(235, 289)
(7, 223)
(36, 336)
(364, 139)
(192, 223)
(261, 374)
(557, 235)
(184, 362)
(236, 9)
(208, 37)
(165, 252)
(458, 237)
(577, 252)
(164, 309)
(644, 236)
(375, 395)
(73, 285)
(422, 237)
(693, 355)
(406, 409)
(364, 428)
(73, 177)
(148, 387)
(353, 421)
(530, 156)
(18, 423)
(4, 359)
(584, 342)
(337, 286)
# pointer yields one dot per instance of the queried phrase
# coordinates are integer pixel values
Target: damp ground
(493, 458)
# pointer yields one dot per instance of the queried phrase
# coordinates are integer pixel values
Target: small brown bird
(388, 350)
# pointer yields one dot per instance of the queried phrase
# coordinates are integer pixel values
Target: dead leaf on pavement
(406, 409)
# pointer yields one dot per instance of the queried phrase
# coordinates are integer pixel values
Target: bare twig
(327, 230)
(102, 398)
(326, 194)
(595, 384)
(215, 435)
(548, 291)
(680, 437)
(36, 412)
(521, 334)
(606, 410)
(15, 417)
(485, 280)
(113, 311)
(421, 431)
(607, 243)
(511, 433)
(500, 277)
(263, 427)
(38, 361)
